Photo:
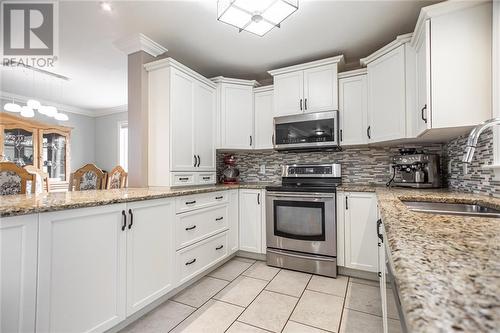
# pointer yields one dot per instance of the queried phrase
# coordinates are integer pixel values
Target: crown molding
(139, 42)
(93, 113)
(222, 79)
(400, 40)
(170, 62)
(327, 61)
(354, 72)
(263, 89)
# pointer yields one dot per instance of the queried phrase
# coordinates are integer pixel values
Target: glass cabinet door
(54, 155)
(18, 146)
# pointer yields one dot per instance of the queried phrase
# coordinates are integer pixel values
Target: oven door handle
(294, 255)
(305, 196)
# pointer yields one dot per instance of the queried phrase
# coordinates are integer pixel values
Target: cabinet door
(150, 252)
(233, 239)
(353, 110)
(250, 220)
(289, 93)
(361, 232)
(182, 121)
(18, 260)
(81, 270)
(204, 120)
(387, 96)
(423, 109)
(320, 89)
(237, 113)
(264, 113)
(382, 282)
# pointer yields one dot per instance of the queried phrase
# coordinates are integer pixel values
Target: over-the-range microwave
(307, 131)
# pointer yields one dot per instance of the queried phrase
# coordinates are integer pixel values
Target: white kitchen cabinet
(150, 252)
(251, 221)
(360, 237)
(234, 218)
(353, 107)
(81, 269)
(235, 113)
(264, 113)
(309, 87)
(182, 123)
(382, 274)
(18, 265)
(452, 94)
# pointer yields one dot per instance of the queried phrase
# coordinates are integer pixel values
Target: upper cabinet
(264, 113)
(453, 68)
(309, 87)
(353, 107)
(390, 90)
(235, 113)
(182, 122)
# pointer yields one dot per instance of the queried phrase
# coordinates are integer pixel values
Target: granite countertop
(12, 205)
(447, 267)
(348, 187)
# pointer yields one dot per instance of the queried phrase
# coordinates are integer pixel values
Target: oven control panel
(319, 170)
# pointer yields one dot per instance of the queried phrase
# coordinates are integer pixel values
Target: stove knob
(291, 171)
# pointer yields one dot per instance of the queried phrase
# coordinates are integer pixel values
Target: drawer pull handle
(219, 218)
(218, 198)
(183, 178)
(190, 202)
(191, 262)
(191, 228)
(219, 247)
(206, 177)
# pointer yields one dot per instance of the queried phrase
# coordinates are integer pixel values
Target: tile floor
(247, 296)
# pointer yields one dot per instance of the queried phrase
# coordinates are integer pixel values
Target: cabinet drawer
(193, 226)
(206, 178)
(198, 257)
(182, 178)
(195, 201)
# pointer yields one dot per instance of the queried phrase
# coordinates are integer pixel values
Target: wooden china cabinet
(29, 142)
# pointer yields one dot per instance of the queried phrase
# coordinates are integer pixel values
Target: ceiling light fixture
(27, 112)
(61, 116)
(12, 107)
(255, 16)
(34, 104)
(106, 6)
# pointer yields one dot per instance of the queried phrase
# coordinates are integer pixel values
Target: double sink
(447, 208)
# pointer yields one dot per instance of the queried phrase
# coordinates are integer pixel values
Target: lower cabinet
(358, 223)
(251, 212)
(18, 261)
(234, 218)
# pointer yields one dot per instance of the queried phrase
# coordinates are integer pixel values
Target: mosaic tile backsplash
(360, 165)
(478, 179)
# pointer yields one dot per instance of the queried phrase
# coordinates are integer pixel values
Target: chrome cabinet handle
(258, 198)
(191, 228)
(369, 132)
(194, 156)
(219, 247)
(219, 197)
(423, 113)
(305, 103)
(191, 262)
(124, 225)
(183, 178)
(301, 104)
(251, 141)
(219, 218)
(190, 202)
(131, 219)
(341, 135)
(347, 203)
(199, 160)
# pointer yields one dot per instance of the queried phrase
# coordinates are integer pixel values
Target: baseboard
(251, 255)
(357, 273)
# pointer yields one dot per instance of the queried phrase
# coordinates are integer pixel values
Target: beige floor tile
(213, 317)
(200, 292)
(248, 260)
(293, 327)
(392, 310)
(239, 327)
(269, 311)
(364, 298)
(364, 281)
(356, 322)
(328, 285)
(289, 282)
(260, 270)
(162, 319)
(319, 310)
(230, 270)
(242, 291)
(394, 326)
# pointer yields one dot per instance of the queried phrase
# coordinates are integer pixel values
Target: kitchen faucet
(474, 137)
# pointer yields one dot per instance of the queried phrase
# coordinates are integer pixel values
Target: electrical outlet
(262, 169)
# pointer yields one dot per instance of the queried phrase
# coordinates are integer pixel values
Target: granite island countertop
(447, 267)
(22, 204)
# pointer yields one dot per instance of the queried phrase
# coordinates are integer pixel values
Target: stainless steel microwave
(306, 131)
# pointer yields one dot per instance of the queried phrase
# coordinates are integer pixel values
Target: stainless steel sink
(451, 208)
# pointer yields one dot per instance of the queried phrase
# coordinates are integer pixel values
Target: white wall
(106, 140)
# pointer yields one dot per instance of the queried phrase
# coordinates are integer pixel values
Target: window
(123, 144)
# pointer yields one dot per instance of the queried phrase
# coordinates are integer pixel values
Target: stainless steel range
(301, 219)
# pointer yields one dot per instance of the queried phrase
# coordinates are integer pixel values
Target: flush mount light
(27, 112)
(106, 6)
(255, 16)
(34, 104)
(61, 116)
(12, 107)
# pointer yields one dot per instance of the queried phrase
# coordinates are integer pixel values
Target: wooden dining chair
(88, 177)
(13, 179)
(41, 181)
(116, 178)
